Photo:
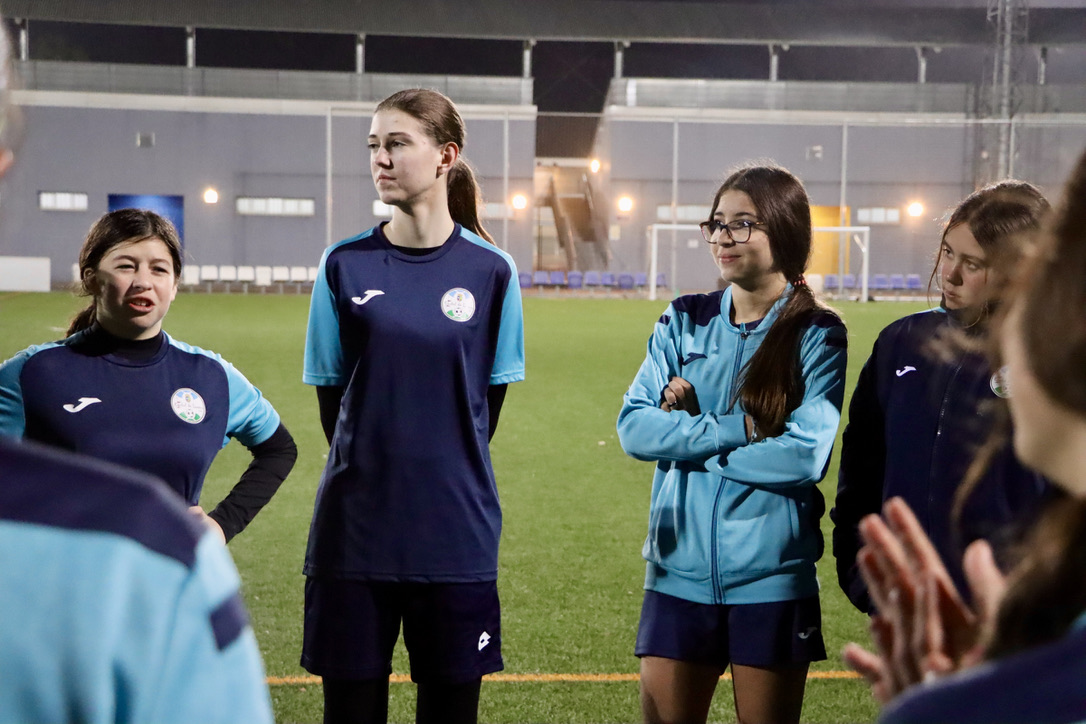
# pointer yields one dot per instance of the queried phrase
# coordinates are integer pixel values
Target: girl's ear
(450, 152)
(90, 282)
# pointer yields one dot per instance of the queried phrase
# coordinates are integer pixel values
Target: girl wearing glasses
(916, 419)
(737, 402)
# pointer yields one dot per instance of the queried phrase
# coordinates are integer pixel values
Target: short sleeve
(509, 355)
(252, 418)
(323, 365)
(12, 413)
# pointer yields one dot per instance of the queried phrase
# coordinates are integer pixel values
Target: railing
(279, 84)
(828, 96)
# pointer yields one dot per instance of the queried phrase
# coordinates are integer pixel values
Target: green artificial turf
(575, 506)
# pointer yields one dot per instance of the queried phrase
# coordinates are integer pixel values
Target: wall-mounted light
(625, 204)
(520, 202)
(594, 165)
(211, 196)
(915, 209)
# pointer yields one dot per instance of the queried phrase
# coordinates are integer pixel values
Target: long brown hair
(1004, 218)
(771, 384)
(111, 230)
(1001, 217)
(443, 124)
(1047, 588)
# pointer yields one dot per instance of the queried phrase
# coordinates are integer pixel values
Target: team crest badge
(1000, 383)
(188, 405)
(458, 305)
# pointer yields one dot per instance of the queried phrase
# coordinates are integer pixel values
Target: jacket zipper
(939, 434)
(718, 588)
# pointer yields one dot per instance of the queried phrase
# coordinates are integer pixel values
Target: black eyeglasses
(738, 231)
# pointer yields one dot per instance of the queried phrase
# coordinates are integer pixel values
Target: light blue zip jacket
(732, 522)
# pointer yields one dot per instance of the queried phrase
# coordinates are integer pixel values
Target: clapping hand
(923, 628)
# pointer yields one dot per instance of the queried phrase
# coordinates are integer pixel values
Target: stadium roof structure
(834, 23)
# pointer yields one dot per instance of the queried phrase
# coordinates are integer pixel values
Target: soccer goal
(687, 266)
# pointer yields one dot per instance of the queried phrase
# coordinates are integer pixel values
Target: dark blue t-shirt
(408, 492)
(167, 413)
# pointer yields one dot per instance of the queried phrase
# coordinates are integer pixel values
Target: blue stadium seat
(576, 279)
(848, 281)
(880, 282)
(661, 280)
(913, 283)
(525, 280)
(540, 278)
(625, 281)
(641, 279)
(830, 284)
(592, 279)
(558, 278)
(897, 282)
(607, 279)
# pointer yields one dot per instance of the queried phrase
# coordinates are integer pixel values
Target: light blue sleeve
(211, 668)
(323, 363)
(12, 408)
(648, 433)
(509, 355)
(252, 418)
(800, 455)
(12, 414)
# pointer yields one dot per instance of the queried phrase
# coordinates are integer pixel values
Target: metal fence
(284, 84)
(829, 96)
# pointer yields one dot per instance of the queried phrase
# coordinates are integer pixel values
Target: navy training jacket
(915, 425)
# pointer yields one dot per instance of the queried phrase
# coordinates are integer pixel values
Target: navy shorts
(452, 630)
(782, 633)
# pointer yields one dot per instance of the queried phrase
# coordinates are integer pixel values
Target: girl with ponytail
(1018, 652)
(120, 389)
(737, 402)
(927, 399)
(415, 331)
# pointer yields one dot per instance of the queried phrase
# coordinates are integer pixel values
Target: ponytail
(443, 124)
(465, 199)
(771, 384)
(84, 320)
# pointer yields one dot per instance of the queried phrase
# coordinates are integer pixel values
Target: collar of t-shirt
(133, 350)
(415, 250)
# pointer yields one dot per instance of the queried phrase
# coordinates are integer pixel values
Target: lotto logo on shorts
(188, 405)
(484, 639)
(458, 305)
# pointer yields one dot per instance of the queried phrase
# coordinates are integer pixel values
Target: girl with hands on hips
(120, 389)
(737, 403)
(1019, 653)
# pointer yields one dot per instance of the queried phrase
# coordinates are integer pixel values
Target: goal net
(680, 253)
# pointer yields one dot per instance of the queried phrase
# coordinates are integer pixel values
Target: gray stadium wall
(279, 153)
(890, 163)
